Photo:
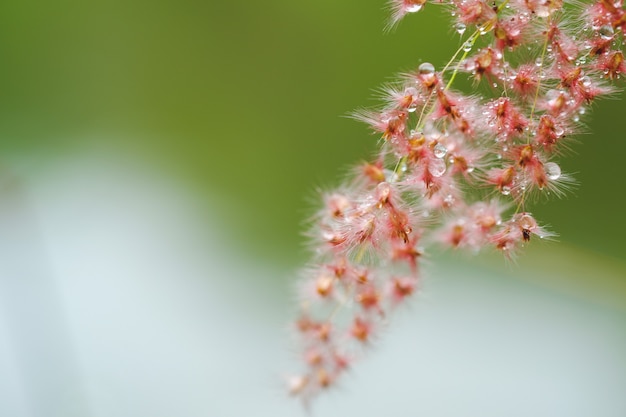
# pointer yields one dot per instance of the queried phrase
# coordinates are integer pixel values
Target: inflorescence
(454, 169)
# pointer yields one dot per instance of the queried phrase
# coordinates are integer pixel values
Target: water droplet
(467, 46)
(606, 32)
(538, 62)
(440, 151)
(553, 171)
(586, 81)
(470, 169)
(411, 91)
(559, 131)
(460, 28)
(383, 191)
(437, 167)
(412, 7)
(542, 11)
(505, 190)
(527, 222)
(552, 95)
(449, 200)
(391, 176)
(426, 68)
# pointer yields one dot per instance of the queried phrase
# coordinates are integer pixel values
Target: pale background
(157, 160)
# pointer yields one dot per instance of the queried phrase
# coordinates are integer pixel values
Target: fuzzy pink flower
(455, 168)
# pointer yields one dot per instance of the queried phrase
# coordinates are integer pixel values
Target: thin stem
(466, 52)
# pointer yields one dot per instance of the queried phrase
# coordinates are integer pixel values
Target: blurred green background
(246, 102)
(141, 138)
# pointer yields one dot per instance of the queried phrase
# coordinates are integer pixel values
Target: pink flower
(455, 168)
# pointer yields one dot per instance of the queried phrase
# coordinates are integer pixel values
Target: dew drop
(412, 6)
(391, 176)
(552, 95)
(527, 222)
(538, 62)
(586, 81)
(505, 190)
(383, 191)
(553, 171)
(460, 28)
(440, 151)
(411, 91)
(606, 32)
(437, 167)
(426, 68)
(467, 46)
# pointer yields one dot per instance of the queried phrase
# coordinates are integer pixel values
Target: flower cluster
(454, 169)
